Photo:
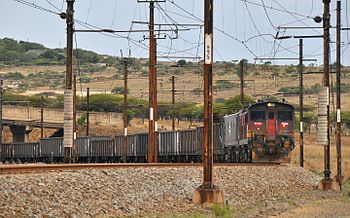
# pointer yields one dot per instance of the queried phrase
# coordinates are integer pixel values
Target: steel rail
(13, 169)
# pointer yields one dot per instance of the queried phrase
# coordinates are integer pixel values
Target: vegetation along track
(4, 169)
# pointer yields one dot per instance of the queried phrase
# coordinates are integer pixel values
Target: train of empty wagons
(262, 132)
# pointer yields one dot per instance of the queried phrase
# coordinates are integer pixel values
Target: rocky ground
(156, 192)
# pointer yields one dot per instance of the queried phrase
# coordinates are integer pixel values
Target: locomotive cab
(271, 128)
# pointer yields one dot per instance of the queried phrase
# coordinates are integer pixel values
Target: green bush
(81, 120)
(13, 76)
(345, 118)
(181, 63)
(221, 211)
(197, 91)
(224, 85)
(119, 90)
(347, 186)
(232, 104)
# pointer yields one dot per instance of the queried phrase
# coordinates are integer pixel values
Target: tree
(245, 67)
(269, 98)
(290, 69)
(234, 104)
(181, 63)
(52, 55)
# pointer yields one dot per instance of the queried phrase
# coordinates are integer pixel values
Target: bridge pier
(20, 133)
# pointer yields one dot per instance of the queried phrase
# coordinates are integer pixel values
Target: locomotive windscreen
(257, 115)
(285, 115)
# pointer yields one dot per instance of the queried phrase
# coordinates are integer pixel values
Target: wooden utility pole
(68, 94)
(241, 63)
(42, 117)
(301, 99)
(207, 192)
(338, 70)
(173, 101)
(87, 111)
(125, 111)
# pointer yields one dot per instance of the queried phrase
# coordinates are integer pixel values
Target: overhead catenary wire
(173, 48)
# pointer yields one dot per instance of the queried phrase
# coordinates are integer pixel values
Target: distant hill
(21, 53)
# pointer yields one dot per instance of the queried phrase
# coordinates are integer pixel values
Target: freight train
(261, 132)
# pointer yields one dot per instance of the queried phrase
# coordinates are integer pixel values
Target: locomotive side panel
(235, 129)
(231, 130)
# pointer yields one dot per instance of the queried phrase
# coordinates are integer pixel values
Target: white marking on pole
(327, 95)
(125, 131)
(338, 116)
(75, 135)
(208, 48)
(156, 126)
(301, 127)
(151, 113)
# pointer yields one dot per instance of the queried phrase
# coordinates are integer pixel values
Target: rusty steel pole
(151, 125)
(208, 96)
(125, 110)
(326, 50)
(242, 80)
(87, 111)
(173, 101)
(301, 99)
(42, 117)
(68, 94)
(338, 72)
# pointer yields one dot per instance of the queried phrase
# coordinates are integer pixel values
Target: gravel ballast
(142, 191)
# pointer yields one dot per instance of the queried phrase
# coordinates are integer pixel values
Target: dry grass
(255, 86)
(314, 155)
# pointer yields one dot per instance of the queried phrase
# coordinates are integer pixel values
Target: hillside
(21, 53)
(33, 69)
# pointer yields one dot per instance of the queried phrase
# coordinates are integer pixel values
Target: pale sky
(235, 20)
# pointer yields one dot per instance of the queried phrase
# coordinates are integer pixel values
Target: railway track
(9, 169)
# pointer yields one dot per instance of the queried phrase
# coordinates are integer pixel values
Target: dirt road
(332, 205)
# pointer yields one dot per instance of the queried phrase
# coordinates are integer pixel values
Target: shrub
(119, 90)
(197, 91)
(82, 119)
(224, 85)
(13, 76)
(221, 211)
(181, 63)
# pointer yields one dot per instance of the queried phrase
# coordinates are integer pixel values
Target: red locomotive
(263, 132)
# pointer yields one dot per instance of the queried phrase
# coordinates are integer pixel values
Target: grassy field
(314, 155)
